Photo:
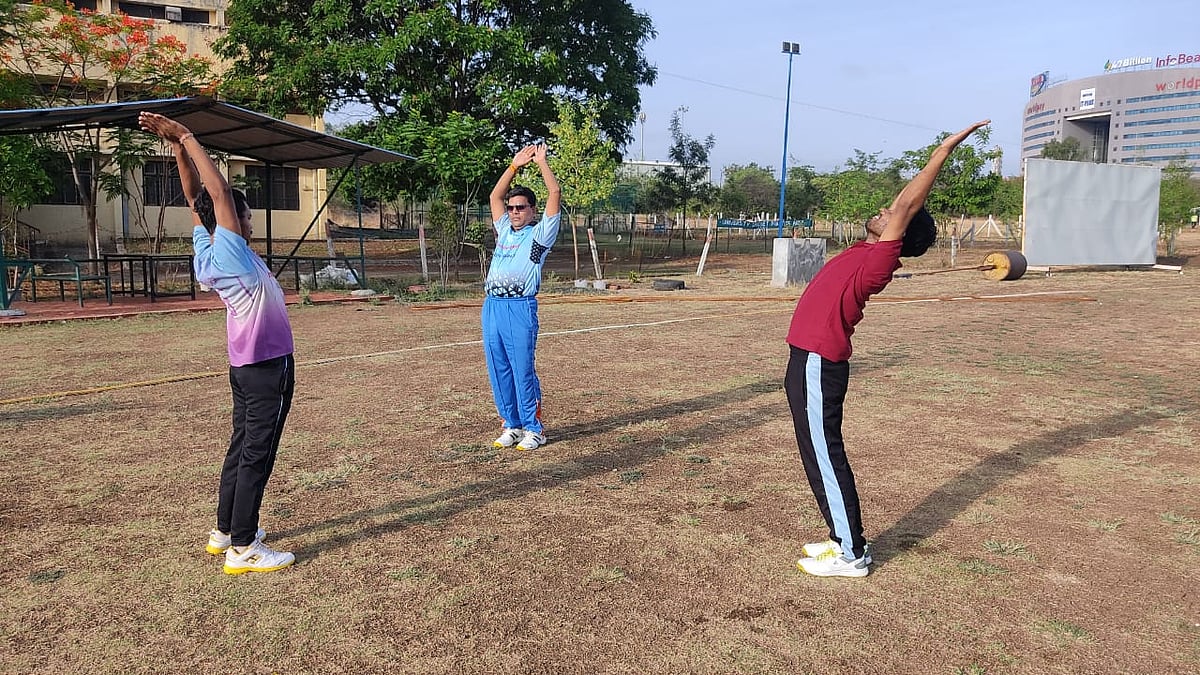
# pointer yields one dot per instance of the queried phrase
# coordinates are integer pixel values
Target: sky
(875, 75)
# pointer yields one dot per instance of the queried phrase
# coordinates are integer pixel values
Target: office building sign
(1037, 83)
(1087, 98)
(1181, 59)
(1130, 62)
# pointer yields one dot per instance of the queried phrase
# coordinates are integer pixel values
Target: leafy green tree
(504, 61)
(803, 195)
(23, 179)
(858, 191)
(1068, 149)
(455, 160)
(1178, 194)
(748, 189)
(583, 161)
(1008, 199)
(964, 185)
(443, 234)
(684, 186)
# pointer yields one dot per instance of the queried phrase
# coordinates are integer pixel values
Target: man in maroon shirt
(819, 368)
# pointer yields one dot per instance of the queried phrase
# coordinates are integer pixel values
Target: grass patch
(733, 503)
(1190, 537)
(981, 568)
(1064, 631)
(977, 518)
(335, 476)
(697, 459)
(406, 574)
(46, 577)
(608, 575)
(1007, 548)
(1172, 518)
(1106, 525)
(631, 476)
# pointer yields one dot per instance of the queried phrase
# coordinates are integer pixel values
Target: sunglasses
(517, 207)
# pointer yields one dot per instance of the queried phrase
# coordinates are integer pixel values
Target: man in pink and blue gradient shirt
(262, 375)
(257, 322)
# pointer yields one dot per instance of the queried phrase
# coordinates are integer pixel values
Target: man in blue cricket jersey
(510, 320)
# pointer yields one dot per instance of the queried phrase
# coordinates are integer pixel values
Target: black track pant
(816, 389)
(262, 396)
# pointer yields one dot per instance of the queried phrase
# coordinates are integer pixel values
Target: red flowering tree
(55, 55)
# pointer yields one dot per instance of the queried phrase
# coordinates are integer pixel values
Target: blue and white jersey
(516, 270)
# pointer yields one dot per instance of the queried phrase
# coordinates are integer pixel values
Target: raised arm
(206, 170)
(912, 197)
(496, 199)
(554, 198)
(187, 173)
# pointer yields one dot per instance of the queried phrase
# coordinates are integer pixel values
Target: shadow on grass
(447, 503)
(956, 495)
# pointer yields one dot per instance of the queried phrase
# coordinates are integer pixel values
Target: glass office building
(1141, 110)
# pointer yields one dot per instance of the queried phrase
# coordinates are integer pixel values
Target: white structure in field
(1080, 213)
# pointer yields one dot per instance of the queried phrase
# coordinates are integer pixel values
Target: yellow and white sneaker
(531, 441)
(257, 557)
(219, 541)
(832, 564)
(508, 438)
(821, 548)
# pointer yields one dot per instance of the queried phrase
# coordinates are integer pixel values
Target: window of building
(1166, 120)
(81, 5)
(65, 189)
(285, 187)
(1159, 97)
(161, 185)
(160, 12)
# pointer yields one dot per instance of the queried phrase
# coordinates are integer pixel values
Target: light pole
(791, 49)
(642, 119)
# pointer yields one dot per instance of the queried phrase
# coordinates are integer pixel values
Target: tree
(23, 180)
(504, 61)
(686, 184)
(749, 189)
(855, 193)
(1008, 199)
(1067, 149)
(443, 230)
(79, 57)
(582, 159)
(1178, 194)
(455, 160)
(803, 194)
(964, 185)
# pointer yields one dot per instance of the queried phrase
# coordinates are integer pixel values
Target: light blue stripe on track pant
(510, 328)
(816, 424)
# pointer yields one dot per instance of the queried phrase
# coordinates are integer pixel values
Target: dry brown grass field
(1028, 466)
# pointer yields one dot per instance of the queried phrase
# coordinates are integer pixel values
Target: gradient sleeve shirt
(516, 269)
(256, 320)
(833, 303)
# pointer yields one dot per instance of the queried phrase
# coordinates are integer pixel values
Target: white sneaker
(832, 564)
(532, 441)
(822, 547)
(508, 438)
(218, 541)
(257, 557)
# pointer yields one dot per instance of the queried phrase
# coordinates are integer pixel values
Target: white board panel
(1080, 213)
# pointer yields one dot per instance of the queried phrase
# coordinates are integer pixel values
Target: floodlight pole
(791, 49)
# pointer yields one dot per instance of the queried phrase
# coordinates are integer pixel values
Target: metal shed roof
(218, 126)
